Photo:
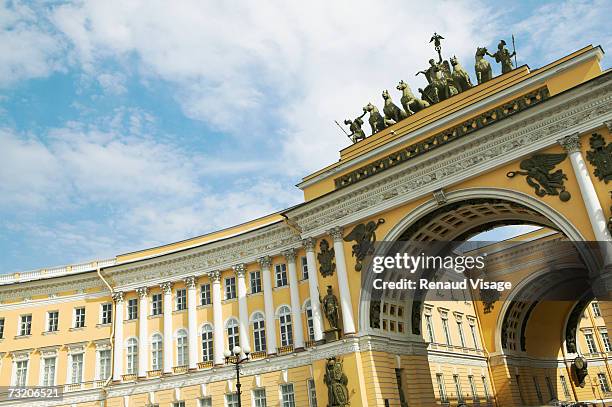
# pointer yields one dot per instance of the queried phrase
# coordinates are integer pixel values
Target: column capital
(571, 143)
(215, 276)
(309, 243)
(166, 287)
(240, 270)
(142, 292)
(289, 254)
(336, 233)
(265, 261)
(609, 125)
(118, 296)
(190, 282)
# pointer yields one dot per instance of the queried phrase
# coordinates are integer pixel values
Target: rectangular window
(48, 373)
(590, 342)
(230, 288)
(21, 373)
(596, 309)
(52, 321)
(566, 391)
(304, 263)
(603, 382)
(76, 368)
(1, 328)
(430, 329)
(474, 336)
(107, 313)
(606, 340)
(205, 294)
(178, 404)
(287, 395)
(485, 386)
(447, 336)
(206, 402)
(255, 282)
(156, 304)
(441, 388)
(231, 400)
(259, 397)
(549, 386)
(520, 389)
(458, 388)
(473, 388)
(181, 299)
(312, 393)
(536, 384)
(156, 353)
(280, 271)
(104, 364)
(132, 308)
(79, 317)
(25, 327)
(461, 335)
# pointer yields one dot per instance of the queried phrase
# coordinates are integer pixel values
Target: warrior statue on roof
(503, 56)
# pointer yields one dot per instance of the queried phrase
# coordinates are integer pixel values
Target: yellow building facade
(150, 328)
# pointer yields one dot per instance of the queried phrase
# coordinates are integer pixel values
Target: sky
(130, 124)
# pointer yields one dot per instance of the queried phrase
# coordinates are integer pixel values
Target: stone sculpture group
(445, 78)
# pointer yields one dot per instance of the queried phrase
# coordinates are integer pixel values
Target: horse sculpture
(393, 114)
(460, 76)
(482, 66)
(410, 102)
(377, 122)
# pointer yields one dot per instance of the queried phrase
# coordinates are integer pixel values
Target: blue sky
(130, 124)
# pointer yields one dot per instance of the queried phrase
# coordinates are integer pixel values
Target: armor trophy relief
(445, 79)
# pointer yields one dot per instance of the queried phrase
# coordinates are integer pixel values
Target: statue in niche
(393, 114)
(376, 120)
(503, 56)
(410, 102)
(484, 73)
(364, 237)
(326, 259)
(460, 76)
(357, 134)
(330, 308)
(336, 381)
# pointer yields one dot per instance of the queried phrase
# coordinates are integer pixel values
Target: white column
(143, 334)
(265, 263)
(313, 285)
(218, 343)
(118, 345)
(168, 347)
(296, 307)
(571, 144)
(348, 323)
(243, 311)
(192, 322)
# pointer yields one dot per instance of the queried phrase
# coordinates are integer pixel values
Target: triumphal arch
(469, 154)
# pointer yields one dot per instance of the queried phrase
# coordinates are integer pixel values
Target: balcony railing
(259, 355)
(180, 369)
(232, 359)
(129, 377)
(285, 349)
(310, 344)
(154, 373)
(73, 387)
(208, 364)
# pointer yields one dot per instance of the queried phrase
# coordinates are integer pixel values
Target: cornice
(51, 287)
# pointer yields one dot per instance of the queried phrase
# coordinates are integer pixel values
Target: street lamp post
(228, 359)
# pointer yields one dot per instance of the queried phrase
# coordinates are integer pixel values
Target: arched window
(156, 352)
(309, 321)
(182, 350)
(286, 332)
(207, 343)
(259, 332)
(233, 336)
(132, 356)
